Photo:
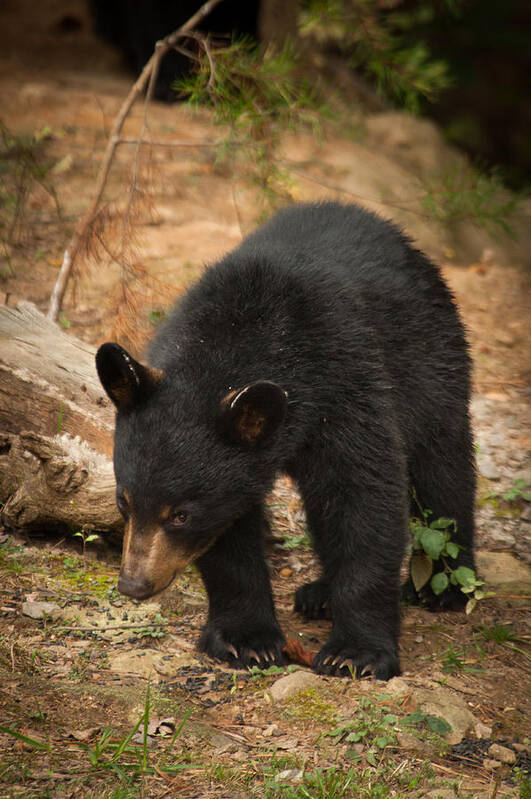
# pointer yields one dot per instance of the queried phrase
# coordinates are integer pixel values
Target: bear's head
(186, 467)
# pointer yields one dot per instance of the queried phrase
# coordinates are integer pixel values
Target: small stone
(501, 538)
(502, 753)
(397, 686)
(270, 731)
(419, 639)
(292, 684)
(295, 564)
(409, 741)
(490, 764)
(482, 730)
(286, 743)
(488, 468)
(40, 610)
(290, 775)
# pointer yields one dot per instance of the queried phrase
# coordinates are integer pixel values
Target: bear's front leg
(242, 628)
(364, 639)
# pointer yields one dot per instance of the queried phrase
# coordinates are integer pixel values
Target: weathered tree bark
(55, 428)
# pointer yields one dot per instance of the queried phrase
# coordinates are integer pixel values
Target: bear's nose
(136, 587)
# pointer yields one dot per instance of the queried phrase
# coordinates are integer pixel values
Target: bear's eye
(123, 505)
(179, 517)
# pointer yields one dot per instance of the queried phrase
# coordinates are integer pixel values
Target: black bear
(326, 347)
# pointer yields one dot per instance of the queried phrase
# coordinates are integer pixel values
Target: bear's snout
(135, 587)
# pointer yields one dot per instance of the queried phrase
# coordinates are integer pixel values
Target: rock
(162, 727)
(290, 775)
(525, 516)
(408, 741)
(41, 610)
(270, 731)
(149, 663)
(503, 572)
(292, 684)
(449, 706)
(140, 663)
(482, 730)
(490, 764)
(295, 563)
(488, 469)
(500, 538)
(502, 753)
(397, 686)
(287, 743)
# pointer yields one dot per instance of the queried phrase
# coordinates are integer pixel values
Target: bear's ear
(126, 381)
(250, 415)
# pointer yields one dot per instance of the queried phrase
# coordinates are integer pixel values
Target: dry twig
(149, 73)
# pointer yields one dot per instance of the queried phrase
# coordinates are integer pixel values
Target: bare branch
(74, 245)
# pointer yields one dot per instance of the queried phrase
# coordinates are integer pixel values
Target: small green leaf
(452, 549)
(465, 576)
(470, 605)
(438, 725)
(371, 759)
(433, 542)
(383, 741)
(442, 524)
(421, 569)
(439, 583)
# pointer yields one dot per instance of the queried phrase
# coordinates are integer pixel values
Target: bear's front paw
(262, 649)
(339, 659)
(312, 600)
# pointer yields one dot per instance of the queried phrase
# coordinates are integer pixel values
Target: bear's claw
(245, 654)
(352, 661)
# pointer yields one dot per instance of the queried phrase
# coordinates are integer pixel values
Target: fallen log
(55, 428)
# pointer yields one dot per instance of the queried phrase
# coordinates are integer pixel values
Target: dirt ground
(76, 680)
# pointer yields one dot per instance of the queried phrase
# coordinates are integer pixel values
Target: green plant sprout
(86, 537)
(432, 543)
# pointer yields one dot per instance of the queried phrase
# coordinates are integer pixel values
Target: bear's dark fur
(325, 347)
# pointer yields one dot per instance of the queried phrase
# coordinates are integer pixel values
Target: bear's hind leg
(444, 481)
(356, 510)
(312, 600)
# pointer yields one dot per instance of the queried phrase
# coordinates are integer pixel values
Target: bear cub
(328, 348)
